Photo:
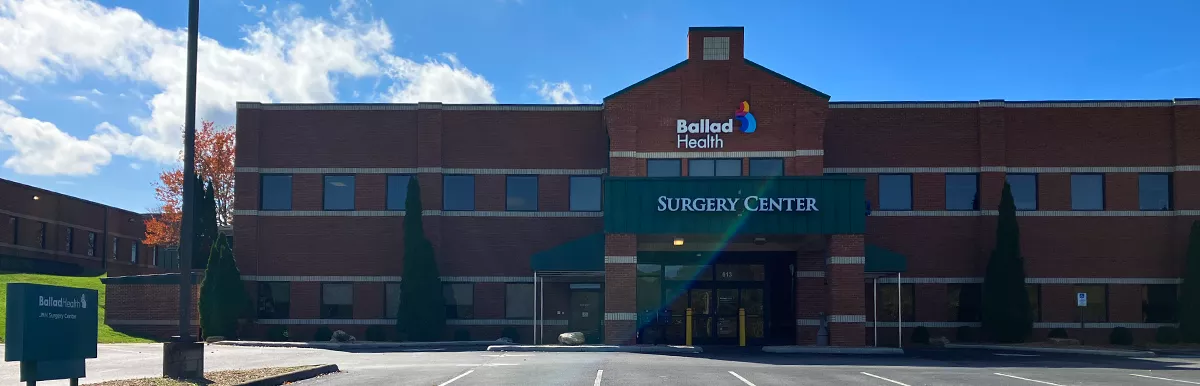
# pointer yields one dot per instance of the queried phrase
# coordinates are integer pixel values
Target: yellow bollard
(742, 327)
(687, 331)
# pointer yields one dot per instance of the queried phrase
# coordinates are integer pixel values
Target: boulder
(341, 337)
(1064, 341)
(939, 341)
(571, 338)
(214, 339)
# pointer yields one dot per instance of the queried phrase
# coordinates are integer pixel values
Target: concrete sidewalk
(643, 349)
(362, 345)
(833, 350)
(1064, 350)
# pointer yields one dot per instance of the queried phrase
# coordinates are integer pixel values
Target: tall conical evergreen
(1189, 298)
(422, 313)
(222, 295)
(1006, 316)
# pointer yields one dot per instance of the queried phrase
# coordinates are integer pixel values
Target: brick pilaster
(620, 288)
(811, 297)
(844, 274)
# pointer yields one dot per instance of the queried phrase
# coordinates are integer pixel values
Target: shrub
(323, 334)
(277, 334)
(376, 334)
(511, 333)
(964, 334)
(1057, 333)
(920, 335)
(1121, 336)
(1167, 335)
(462, 335)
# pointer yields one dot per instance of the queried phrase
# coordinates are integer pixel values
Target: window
(133, 247)
(1154, 191)
(521, 193)
(585, 194)
(663, 168)
(460, 300)
(274, 299)
(70, 247)
(91, 251)
(391, 301)
(766, 167)
(1034, 291)
(962, 192)
(716, 48)
(397, 191)
(276, 192)
(895, 192)
(15, 224)
(116, 243)
(648, 292)
(1160, 303)
(41, 240)
(888, 311)
(339, 193)
(1087, 192)
(518, 301)
(337, 301)
(714, 167)
(965, 302)
(458, 192)
(154, 256)
(1097, 303)
(1024, 190)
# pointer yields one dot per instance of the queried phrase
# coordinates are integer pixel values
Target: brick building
(717, 185)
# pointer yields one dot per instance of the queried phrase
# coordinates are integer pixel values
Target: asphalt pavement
(714, 367)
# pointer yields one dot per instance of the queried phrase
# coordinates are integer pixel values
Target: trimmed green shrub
(277, 334)
(920, 335)
(964, 334)
(462, 334)
(376, 334)
(1167, 335)
(511, 333)
(1121, 336)
(1057, 333)
(323, 334)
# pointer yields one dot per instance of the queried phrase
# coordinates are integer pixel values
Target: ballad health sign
(688, 133)
(51, 330)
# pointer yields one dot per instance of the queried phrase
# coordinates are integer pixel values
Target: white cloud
(260, 11)
(559, 93)
(97, 92)
(16, 95)
(135, 166)
(83, 99)
(42, 149)
(287, 57)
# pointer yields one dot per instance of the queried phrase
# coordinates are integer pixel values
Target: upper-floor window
(41, 240)
(766, 167)
(716, 48)
(1087, 192)
(458, 192)
(962, 192)
(133, 250)
(397, 191)
(91, 251)
(15, 224)
(1154, 191)
(70, 247)
(116, 243)
(337, 301)
(276, 191)
(585, 193)
(663, 168)
(714, 167)
(521, 193)
(895, 192)
(339, 192)
(1024, 190)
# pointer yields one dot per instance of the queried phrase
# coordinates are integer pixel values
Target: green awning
(582, 254)
(880, 259)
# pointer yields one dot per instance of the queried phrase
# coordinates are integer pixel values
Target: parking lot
(716, 367)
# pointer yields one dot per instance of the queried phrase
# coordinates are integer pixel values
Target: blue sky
(92, 91)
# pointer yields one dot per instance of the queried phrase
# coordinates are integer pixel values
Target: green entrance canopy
(582, 254)
(880, 259)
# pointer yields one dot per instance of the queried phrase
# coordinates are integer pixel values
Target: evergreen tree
(222, 295)
(1189, 299)
(1006, 315)
(422, 313)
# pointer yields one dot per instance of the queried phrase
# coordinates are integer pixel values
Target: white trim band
(846, 260)
(1036, 213)
(620, 259)
(717, 154)
(817, 274)
(1035, 280)
(1017, 169)
(808, 322)
(414, 106)
(147, 322)
(252, 169)
(389, 279)
(1014, 104)
(847, 318)
(400, 213)
(502, 322)
(1101, 325)
(620, 316)
(925, 324)
(387, 322)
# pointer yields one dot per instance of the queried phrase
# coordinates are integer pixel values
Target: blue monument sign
(51, 330)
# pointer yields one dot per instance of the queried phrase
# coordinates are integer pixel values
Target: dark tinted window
(663, 168)
(1034, 291)
(458, 192)
(889, 310)
(460, 300)
(522, 193)
(1154, 192)
(1024, 190)
(766, 167)
(1097, 303)
(339, 192)
(965, 301)
(276, 192)
(1087, 192)
(962, 192)
(337, 301)
(585, 194)
(714, 167)
(1160, 303)
(274, 299)
(397, 192)
(391, 301)
(895, 192)
(518, 301)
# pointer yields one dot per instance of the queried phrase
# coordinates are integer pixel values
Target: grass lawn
(105, 334)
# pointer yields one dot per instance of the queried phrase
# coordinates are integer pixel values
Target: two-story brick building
(717, 185)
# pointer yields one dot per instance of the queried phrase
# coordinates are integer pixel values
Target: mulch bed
(215, 378)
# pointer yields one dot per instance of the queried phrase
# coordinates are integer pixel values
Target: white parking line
(456, 378)
(889, 380)
(1027, 379)
(1014, 355)
(740, 377)
(599, 373)
(1165, 379)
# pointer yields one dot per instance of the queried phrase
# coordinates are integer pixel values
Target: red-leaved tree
(214, 161)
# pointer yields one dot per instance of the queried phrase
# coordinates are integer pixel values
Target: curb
(292, 376)
(362, 345)
(1111, 353)
(599, 348)
(832, 350)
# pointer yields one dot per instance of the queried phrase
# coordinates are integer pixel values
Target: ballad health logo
(47, 301)
(712, 130)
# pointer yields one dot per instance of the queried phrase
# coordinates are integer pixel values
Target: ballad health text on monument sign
(51, 330)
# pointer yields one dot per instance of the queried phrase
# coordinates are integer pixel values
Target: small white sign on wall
(1081, 299)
